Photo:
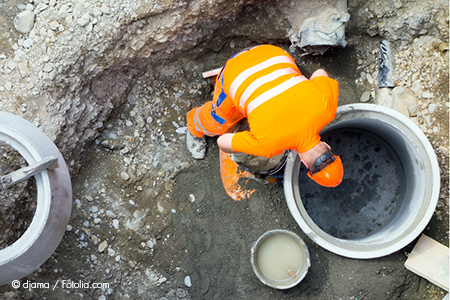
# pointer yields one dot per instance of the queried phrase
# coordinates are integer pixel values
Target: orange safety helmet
(328, 175)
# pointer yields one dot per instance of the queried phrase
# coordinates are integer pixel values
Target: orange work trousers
(215, 117)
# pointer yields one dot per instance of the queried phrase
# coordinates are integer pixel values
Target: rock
(365, 97)
(427, 95)
(54, 25)
(402, 96)
(83, 20)
(192, 198)
(182, 130)
(384, 98)
(370, 78)
(181, 293)
(24, 22)
(27, 43)
(168, 186)
(102, 246)
(23, 69)
(417, 88)
(111, 252)
(187, 281)
(9, 295)
(104, 9)
(115, 223)
(124, 176)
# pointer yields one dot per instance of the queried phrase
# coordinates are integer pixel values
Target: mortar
(389, 191)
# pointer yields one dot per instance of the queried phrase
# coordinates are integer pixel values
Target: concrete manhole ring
(415, 192)
(54, 200)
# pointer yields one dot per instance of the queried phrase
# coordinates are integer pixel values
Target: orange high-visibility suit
(284, 109)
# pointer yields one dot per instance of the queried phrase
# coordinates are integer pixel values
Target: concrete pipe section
(389, 191)
(53, 204)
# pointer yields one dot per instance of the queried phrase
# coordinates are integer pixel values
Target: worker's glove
(239, 157)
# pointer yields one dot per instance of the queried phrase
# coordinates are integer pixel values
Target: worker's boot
(195, 145)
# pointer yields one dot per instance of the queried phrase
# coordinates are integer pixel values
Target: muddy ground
(152, 223)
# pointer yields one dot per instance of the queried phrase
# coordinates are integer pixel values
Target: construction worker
(284, 109)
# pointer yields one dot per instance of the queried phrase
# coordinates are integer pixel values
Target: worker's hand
(318, 72)
(224, 142)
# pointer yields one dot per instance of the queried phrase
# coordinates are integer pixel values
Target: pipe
(54, 200)
(419, 191)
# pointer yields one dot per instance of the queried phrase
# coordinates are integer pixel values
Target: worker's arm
(319, 72)
(224, 142)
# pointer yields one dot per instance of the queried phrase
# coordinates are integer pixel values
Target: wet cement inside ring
(373, 185)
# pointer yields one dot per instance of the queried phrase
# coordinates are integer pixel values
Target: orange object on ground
(231, 175)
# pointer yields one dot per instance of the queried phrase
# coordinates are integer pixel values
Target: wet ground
(152, 223)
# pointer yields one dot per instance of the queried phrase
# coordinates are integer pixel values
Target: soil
(152, 223)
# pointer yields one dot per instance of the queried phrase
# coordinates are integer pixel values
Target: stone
(111, 252)
(54, 25)
(9, 295)
(416, 87)
(124, 176)
(23, 69)
(384, 98)
(83, 20)
(27, 43)
(427, 95)
(365, 97)
(102, 246)
(402, 96)
(431, 108)
(24, 22)
(115, 223)
(187, 281)
(370, 78)
(180, 293)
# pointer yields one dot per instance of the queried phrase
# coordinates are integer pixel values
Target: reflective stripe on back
(262, 80)
(252, 70)
(273, 92)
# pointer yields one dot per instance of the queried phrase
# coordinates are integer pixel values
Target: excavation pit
(389, 190)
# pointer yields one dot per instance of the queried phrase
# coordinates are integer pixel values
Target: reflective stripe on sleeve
(273, 92)
(260, 81)
(198, 124)
(252, 70)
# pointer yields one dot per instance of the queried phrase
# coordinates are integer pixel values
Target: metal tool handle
(24, 173)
